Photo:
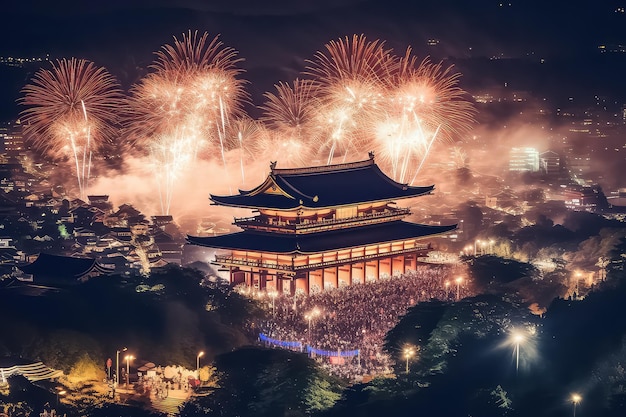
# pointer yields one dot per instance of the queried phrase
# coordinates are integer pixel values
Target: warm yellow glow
(459, 280)
(409, 352)
(200, 354)
(576, 398)
(128, 358)
(518, 337)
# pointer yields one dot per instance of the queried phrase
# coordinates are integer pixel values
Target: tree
(267, 382)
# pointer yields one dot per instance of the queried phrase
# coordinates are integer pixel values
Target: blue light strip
(281, 343)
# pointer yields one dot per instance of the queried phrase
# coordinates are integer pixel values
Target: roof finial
(272, 166)
(371, 155)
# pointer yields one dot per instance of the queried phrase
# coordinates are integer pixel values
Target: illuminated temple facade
(321, 227)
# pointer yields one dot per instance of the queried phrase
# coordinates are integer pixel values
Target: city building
(11, 139)
(550, 163)
(63, 270)
(524, 160)
(321, 227)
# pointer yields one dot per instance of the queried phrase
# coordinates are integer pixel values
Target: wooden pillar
(262, 280)
(292, 286)
(279, 283)
(364, 273)
(308, 283)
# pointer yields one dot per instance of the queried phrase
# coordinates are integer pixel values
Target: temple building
(321, 227)
(59, 270)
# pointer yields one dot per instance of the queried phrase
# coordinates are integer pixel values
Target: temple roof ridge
(323, 186)
(323, 168)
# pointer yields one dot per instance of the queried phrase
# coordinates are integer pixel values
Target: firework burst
(424, 105)
(186, 105)
(291, 116)
(72, 110)
(352, 77)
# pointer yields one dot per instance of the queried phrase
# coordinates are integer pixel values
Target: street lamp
(477, 241)
(200, 354)
(128, 358)
(62, 392)
(578, 276)
(409, 352)
(310, 316)
(517, 337)
(576, 398)
(447, 285)
(458, 281)
(273, 295)
(117, 365)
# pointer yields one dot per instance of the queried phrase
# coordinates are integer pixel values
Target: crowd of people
(358, 316)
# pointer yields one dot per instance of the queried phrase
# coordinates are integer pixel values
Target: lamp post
(62, 392)
(476, 242)
(447, 285)
(117, 365)
(408, 353)
(200, 354)
(458, 281)
(273, 295)
(576, 398)
(517, 337)
(128, 358)
(310, 316)
(578, 276)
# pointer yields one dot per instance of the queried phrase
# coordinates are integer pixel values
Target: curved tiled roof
(63, 266)
(319, 242)
(323, 186)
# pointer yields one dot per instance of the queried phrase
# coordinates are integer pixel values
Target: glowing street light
(60, 393)
(200, 354)
(128, 358)
(273, 295)
(517, 338)
(578, 277)
(576, 398)
(310, 316)
(409, 352)
(458, 281)
(117, 365)
(476, 242)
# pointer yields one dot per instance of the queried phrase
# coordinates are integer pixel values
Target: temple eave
(226, 201)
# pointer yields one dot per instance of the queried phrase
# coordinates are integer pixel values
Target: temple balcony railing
(289, 269)
(305, 226)
(229, 260)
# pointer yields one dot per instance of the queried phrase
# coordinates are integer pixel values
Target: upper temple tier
(322, 187)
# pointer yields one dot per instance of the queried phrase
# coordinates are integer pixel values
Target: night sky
(276, 37)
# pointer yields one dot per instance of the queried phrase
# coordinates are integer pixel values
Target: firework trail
(72, 110)
(291, 117)
(352, 78)
(424, 105)
(245, 134)
(210, 71)
(184, 108)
